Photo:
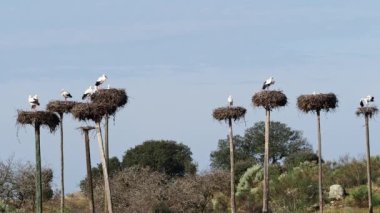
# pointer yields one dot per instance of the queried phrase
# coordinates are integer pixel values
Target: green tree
(296, 158)
(114, 165)
(220, 159)
(284, 141)
(168, 157)
(97, 172)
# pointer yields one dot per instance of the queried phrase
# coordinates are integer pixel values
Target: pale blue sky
(179, 60)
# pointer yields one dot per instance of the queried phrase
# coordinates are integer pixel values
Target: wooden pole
(62, 168)
(106, 140)
(106, 151)
(370, 207)
(320, 161)
(104, 166)
(89, 174)
(266, 164)
(38, 170)
(232, 164)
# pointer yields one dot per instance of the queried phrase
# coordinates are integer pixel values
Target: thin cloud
(110, 34)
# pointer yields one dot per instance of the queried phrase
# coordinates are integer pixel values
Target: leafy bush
(359, 197)
(249, 189)
(295, 190)
(349, 172)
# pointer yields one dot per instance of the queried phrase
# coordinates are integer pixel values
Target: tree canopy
(165, 156)
(249, 148)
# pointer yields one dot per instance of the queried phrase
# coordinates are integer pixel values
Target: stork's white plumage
(101, 80)
(65, 94)
(366, 100)
(88, 92)
(370, 98)
(270, 81)
(230, 100)
(33, 101)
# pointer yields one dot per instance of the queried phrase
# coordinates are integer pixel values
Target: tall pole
(106, 151)
(38, 170)
(89, 174)
(370, 207)
(104, 166)
(106, 140)
(266, 164)
(232, 164)
(62, 168)
(320, 161)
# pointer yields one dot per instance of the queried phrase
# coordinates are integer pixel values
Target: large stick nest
(367, 111)
(93, 111)
(38, 118)
(60, 107)
(270, 99)
(317, 102)
(116, 97)
(226, 113)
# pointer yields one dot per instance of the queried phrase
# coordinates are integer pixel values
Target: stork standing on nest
(230, 101)
(270, 81)
(366, 100)
(88, 92)
(100, 80)
(65, 94)
(34, 102)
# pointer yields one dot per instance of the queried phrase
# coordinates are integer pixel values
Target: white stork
(370, 98)
(33, 101)
(65, 94)
(366, 100)
(363, 102)
(270, 81)
(101, 80)
(88, 92)
(230, 100)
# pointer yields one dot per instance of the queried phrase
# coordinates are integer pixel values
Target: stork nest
(86, 128)
(93, 111)
(367, 111)
(270, 99)
(38, 118)
(116, 97)
(60, 107)
(226, 113)
(317, 102)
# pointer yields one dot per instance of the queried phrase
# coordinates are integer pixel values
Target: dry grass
(93, 111)
(38, 118)
(269, 99)
(116, 97)
(226, 113)
(317, 102)
(60, 107)
(367, 111)
(74, 203)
